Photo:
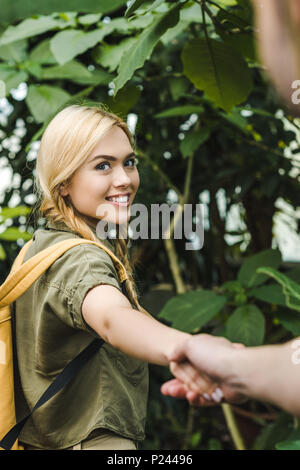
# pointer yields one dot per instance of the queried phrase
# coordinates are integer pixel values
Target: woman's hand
(192, 385)
(177, 389)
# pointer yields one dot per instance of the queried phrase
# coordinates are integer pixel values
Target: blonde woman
(86, 162)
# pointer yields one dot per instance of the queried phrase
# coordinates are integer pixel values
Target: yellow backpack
(20, 278)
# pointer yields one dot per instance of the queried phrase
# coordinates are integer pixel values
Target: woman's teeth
(118, 199)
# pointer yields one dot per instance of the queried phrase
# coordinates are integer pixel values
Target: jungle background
(209, 129)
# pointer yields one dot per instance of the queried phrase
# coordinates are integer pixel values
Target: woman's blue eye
(98, 167)
(134, 162)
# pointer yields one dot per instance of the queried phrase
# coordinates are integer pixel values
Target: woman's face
(109, 171)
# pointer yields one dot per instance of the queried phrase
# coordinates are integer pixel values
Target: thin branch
(158, 170)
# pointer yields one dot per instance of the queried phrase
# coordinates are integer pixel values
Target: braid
(122, 254)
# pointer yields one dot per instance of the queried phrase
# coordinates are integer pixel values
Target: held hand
(177, 389)
(211, 359)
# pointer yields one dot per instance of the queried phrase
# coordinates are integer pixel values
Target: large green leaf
(247, 274)
(66, 45)
(190, 311)
(31, 27)
(142, 49)
(290, 288)
(43, 101)
(271, 293)
(19, 9)
(246, 325)
(217, 69)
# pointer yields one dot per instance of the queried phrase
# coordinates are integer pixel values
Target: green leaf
(89, 19)
(271, 293)
(227, 3)
(152, 6)
(218, 70)
(274, 432)
(294, 274)
(214, 444)
(11, 77)
(42, 53)
(76, 72)
(195, 439)
(246, 325)
(19, 9)
(242, 42)
(186, 110)
(66, 45)
(43, 101)
(134, 6)
(247, 274)
(142, 49)
(2, 89)
(288, 445)
(109, 56)
(2, 253)
(127, 98)
(236, 120)
(30, 27)
(178, 87)
(193, 140)
(11, 212)
(15, 52)
(12, 234)
(190, 311)
(290, 320)
(291, 289)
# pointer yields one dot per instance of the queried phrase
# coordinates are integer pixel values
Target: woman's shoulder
(83, 262)
(52, 234)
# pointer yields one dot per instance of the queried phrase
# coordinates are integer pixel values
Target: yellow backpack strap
(22, 276)
(20, 258)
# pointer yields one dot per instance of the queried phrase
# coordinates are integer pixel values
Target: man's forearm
(269, 373)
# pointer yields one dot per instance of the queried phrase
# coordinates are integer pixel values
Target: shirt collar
(61, 226)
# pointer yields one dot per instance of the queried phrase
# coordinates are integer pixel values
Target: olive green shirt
(111, 390)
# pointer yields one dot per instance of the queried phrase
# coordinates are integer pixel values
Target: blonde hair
(68, 140)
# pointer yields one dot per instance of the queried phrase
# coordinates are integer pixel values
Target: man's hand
(210, 356)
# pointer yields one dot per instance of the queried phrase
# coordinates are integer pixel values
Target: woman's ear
(63, 190)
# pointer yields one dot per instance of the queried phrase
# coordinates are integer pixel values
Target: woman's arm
(109, 313)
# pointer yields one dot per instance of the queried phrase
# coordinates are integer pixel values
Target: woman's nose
(121, 177)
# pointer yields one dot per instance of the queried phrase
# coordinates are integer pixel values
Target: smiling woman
(86, 173)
